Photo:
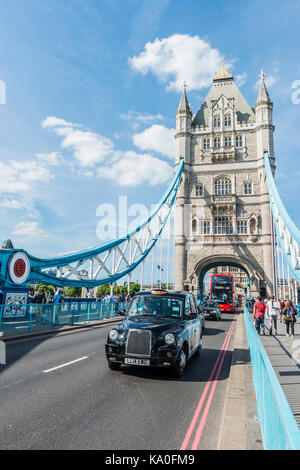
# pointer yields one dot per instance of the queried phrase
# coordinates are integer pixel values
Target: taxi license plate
(137, 362)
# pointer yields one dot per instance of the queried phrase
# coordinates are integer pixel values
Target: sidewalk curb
(53, 331)
(233, 435)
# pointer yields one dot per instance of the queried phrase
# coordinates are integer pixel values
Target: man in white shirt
(272, 312)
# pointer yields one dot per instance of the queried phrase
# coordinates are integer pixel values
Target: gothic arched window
(227, 120)
(217, 121)
(223, 186)
(194, 225)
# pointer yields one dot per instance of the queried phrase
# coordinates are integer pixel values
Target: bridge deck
(284, 354)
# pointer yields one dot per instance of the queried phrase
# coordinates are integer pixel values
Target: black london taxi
(210, 309)
(162, 328)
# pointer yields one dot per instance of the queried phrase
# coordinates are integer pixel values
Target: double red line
(212, 382)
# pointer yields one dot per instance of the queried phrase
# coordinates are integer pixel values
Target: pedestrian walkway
(284, 354)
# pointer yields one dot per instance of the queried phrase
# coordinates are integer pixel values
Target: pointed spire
(263, 95)
(184, 106)
(7, 245)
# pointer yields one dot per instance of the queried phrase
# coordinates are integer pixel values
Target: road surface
(57, 392)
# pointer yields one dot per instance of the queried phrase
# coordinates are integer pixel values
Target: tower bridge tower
(222, 205)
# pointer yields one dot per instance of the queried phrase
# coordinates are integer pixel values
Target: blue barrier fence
(28, 317)
(278, 425)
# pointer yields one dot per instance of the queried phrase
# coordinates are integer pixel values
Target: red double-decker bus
(222, 290)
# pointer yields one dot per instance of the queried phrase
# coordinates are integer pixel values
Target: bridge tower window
(248, 188)
(217, 142)
(199, 190)
(206, 144)
(217, 121)
(227, 141)
(227, 120)
(239, 141)
(223, 187)
(206, 228)
(242, 227)
(223, 226)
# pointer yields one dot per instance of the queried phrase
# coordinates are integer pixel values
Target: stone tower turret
(222, 205)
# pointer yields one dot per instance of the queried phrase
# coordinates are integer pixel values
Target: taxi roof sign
(159, 291)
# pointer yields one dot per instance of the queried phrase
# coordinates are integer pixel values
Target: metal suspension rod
(168, 256)
(152, 268)
(111, 261)
(160, 261)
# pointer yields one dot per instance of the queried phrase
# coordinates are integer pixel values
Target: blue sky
(92, 88)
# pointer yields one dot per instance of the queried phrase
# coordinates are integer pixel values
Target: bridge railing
(30, 317)
(278, 425)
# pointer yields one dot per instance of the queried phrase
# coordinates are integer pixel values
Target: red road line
(211, 395)
(205, 391)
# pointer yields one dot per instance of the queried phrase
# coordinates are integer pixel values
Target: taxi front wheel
(179, 367)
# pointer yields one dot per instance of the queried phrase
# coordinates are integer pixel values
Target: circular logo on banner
(19, 268)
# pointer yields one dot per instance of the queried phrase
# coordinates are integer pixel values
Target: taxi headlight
(170, 338)
(113, 334)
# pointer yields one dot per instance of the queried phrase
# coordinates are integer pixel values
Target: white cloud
(89, 148)
(271, 80)
(126, 168)
(158, 138)
(178, 58)
(12, 204)
(133, 169)
(52, 121)
(16, 176)
(29, 229)
(31, 171)
(51, 158)
(143, 118)
(241, 79)
(10, 181)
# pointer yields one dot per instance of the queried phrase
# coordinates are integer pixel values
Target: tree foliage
(73, 292)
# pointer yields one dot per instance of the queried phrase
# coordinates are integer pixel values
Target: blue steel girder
(104, 264)
(288, 235)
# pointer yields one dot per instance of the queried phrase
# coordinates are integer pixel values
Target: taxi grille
(139, 343)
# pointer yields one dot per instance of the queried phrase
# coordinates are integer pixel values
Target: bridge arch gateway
(223, 212)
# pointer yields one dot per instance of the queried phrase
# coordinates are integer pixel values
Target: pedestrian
(50, 298)
(31, 299)
(282, 305)
(58, 298)
(272, 312)
(259, 315)
(39, 299)
(289, 315)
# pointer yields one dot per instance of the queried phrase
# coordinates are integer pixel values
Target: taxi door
(193, 324)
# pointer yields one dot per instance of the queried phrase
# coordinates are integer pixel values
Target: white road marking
(66, 364)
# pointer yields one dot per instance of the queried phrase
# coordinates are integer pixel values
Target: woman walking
(289, 316)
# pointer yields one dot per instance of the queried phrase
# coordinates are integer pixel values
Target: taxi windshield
(208, 304)
(155, 306)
